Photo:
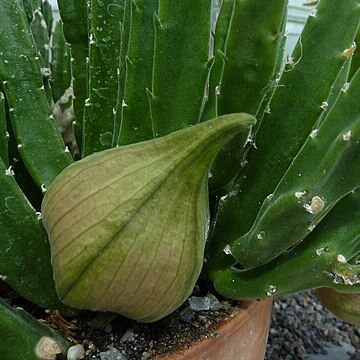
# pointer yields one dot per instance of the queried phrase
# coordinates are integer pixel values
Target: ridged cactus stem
(288, 126)
(136, 122)
(47, 12)
(29, 9)
(324, 171)
(336, 90)
(104, 39)
(40, 31)
(75, 19)
(24, 248)
(322, 260)
(271, 87)
(121, 72)
(34, 340)
(60, 63)
(246, 47)
(181, 64)
(282, 276)
(245, 58)
(4, 135)
(39, 142)
(355, 63)
(221, 37)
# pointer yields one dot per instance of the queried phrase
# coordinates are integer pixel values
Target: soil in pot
(106, 336)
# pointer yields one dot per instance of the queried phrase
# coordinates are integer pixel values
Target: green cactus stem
(304, 87)
(132, 221)
(47, 11)
(4, 135)
(29, 9)
(245, 58)
(336, 90)
(221, 36)
(322, 260)
(125, 32)
(302, 269)
(40, 32)
(75, 19)
(60, 63)
(30, 6)
(355, 55)
(246, 46)
(178, 87)
(24, 337)
(324, 171)
(105, 35)
(36, 4)
(39, 142)
(24, 249)
(136, 122)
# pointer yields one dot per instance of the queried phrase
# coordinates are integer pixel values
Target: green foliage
(245, 63)
(105, 35)
(60, 63)
(24, 337)
(3, 132)
(74, 16)
(283, 197)
(135, 117)
(300, 97)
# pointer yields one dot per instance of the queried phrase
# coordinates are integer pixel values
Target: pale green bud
(127, 226)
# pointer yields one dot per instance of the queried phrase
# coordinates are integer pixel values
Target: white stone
(76, 352)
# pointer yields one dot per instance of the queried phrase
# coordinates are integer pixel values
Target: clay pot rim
(237, 320)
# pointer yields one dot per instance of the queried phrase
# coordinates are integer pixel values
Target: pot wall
(242, 337)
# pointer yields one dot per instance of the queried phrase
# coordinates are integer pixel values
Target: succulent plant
(137, 123)
(24, 337)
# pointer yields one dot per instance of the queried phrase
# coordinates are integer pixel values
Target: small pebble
(215, 304)
(76, 352)
(186, 315)
(197, 303)
(145, 355)
(225, 305)
(128, 336)
(112, 354)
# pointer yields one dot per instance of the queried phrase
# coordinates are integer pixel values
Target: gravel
(301, 326)
(112, 354)
(128, 340)
(204, 303)
(301, 329)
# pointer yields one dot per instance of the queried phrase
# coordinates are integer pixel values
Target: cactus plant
(129, 123)
(37, 340)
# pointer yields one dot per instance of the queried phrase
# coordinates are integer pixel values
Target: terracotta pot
(242, 337)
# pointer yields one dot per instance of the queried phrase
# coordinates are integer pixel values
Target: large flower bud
(127, 226)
